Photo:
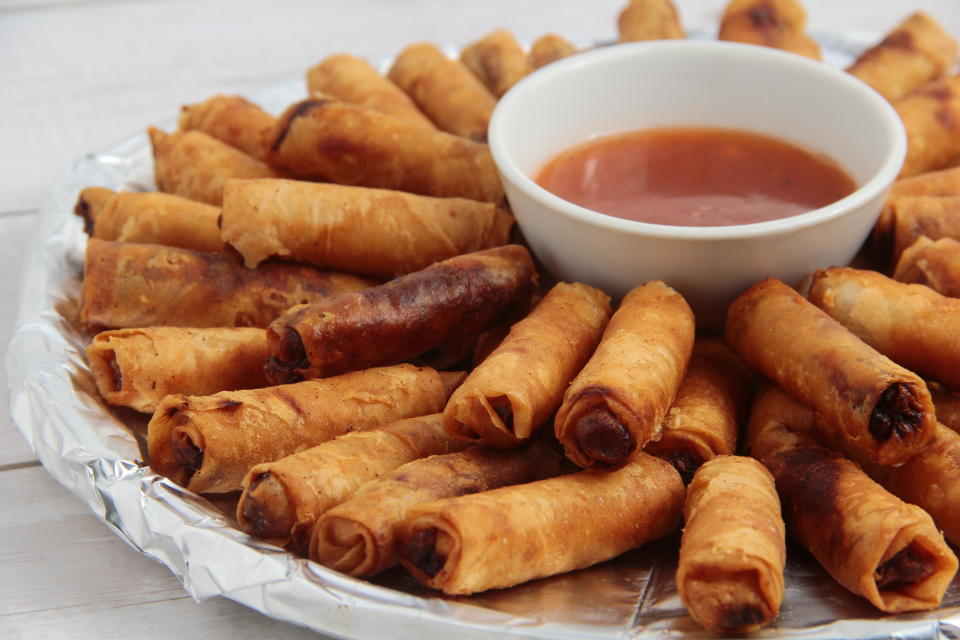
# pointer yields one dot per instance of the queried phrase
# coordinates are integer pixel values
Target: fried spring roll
(510, 535)
(90, 203)
(942, 183)
(932, 264)
(143, 285)
(877, 406)
(230, 119)
(498, 61)
(354, 80)
(931, 118)
(196, 166)
(649, 20)
(374, 232)
(915, 216)
(455, 298)
(506, 399)
(283, 499)
(947, 402)
(706, 415)
(208, 443)
(549, 48)
(344, 143)
(779, 24)
(916, 51)
(618, 401)
(137, 368)
(361, 536)
(733, 551)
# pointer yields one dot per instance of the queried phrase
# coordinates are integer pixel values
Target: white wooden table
(79, 75)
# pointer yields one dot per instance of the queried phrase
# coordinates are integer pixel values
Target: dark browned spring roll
(231, 119)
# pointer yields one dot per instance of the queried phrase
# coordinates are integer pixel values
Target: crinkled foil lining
(95, 451)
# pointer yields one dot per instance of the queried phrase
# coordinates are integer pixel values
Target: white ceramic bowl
(682, 83)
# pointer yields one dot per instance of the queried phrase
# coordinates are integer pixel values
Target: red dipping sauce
(695, 177)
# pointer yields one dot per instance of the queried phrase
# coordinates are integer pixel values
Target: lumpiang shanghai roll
(231, 119)
(498, 61)
(732, 554)
(942, 183)
(708, 410)
(406, 316)
(361, 536)
(283, 499)
(870, 541)
(618, 401)
(931, 118)
(348, 144)
(510, 535)
(916, 216)
(521, 383)
(550, 48)
(142, 285)
(649, 20)
(445, 90)
(933, 264)
(90, 203)
(137, 368)
(374, 232)
(947, 402)
(779, 24)
(877, 406)
(208, 443)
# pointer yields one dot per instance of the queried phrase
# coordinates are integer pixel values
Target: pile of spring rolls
(323, 311)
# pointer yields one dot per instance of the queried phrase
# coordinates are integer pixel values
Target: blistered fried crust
(520, 385)
(230, 119)
(779, 24)
(143, 285)
(618, 401)
(877, 406)
(373, 232)
(732, 554)
(649, 20)
(348, 144)
(455, 298)
(208, 443)
(933, 264)
(549, 48)
(931, 118)
(497, 60)
(510, 535)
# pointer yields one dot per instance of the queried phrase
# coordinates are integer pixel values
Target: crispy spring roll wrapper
(877, 406)
(916, 216)
(374, 232)
(142, 285)
(520, 385)
(195, 165)
(231, 119)
(779, 24)
(733, 550)
(90, 202)
(911, 324)
(618, 401)
(942, 183)
(549, 48)
(405, 317)
(283, 499)
(208, 443)
(498, 60)
(348, 144)
(708, 410)
(916, 51)
(137, 368)
(354, 80)
(947, 402)
(361, 536)
(933, 264)
(649, 20)
(931, 118)
(870, 541)
(510, 535)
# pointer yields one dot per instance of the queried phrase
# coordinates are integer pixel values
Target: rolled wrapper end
(345, 545)
(284, 340)
(264, 508)
(913, 573)
(490, 419)
(89, 204)
(686, 461)
(600, 435)
(176, 450)
(298, 110)
(898, 413)
(430, 550)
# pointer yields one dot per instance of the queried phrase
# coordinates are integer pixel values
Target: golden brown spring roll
(911, 324)
(877, 406)
(916, 51)
(733, 551)
(520, 385)
(779, 24)
(945, 182)
(510, 535)
(498, 61)
(284, 498)
(344, 143)
(354, 80)
(361, 536)
(947, 402)
(915, 216)
(870, 541)
(931, 118)
(445, 90)
(549, 48)
(618, 401)
(144, 285)
(374, 232)
(932, 264)
(706, 415)
(230, 119)
(208, 443)
(455, 298)
(137, 368)
(90, 202)
(649, 20)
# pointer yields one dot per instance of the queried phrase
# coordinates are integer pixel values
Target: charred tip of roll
(897, 413)
(266, 518)
(298, 111)
(603, 438)
(421, 552)
(187, 454)
(908, 566)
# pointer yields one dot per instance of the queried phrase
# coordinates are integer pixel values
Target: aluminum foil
(96, 452)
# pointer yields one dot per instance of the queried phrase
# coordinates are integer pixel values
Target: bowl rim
(873, 187)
